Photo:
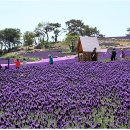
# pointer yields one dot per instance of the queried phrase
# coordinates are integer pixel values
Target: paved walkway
(46, 60)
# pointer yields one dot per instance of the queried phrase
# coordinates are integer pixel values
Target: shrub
(39, 46)
(1, 52)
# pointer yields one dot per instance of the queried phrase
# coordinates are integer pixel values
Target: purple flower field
(108, 55)
(44, 55)
(66, 95)
(40, 55)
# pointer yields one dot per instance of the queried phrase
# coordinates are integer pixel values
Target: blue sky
(111, 17)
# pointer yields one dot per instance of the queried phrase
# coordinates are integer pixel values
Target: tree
(94, 31)
(55, 28)
(43, 30)
(9, 37)
(75, 26)
(101, 36)
(128, 30)
(48, 28)
(28, 38)
(39, 32)
(90, 31)
(86, 31)
(71, 40)
(79, 28)
(2, 39)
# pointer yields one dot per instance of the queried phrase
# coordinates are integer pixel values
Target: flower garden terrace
(66, 95)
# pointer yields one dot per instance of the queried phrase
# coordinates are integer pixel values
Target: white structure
(89, 43)
(86, 46)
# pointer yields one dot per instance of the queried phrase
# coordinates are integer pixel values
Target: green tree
(10, 37)
(75, 26)
(2, 39)
(90, 31)
(101, 35)
(42, 31)
(28, 38)
(79, 28)
(55, 28)
(128, 30)
(71, 40)
(47, 28)
(39, 32)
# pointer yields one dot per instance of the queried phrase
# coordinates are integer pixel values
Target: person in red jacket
(17, 64)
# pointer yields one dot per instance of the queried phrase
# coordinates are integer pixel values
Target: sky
(111, 17)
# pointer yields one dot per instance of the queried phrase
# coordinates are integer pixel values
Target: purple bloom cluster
(66, 95)
(5, 61)
(44, 54)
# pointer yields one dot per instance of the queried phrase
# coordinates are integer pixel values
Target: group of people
(113, 54)
(18, 63)
(24, 63)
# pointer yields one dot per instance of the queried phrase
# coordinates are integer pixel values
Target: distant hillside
(118, 37)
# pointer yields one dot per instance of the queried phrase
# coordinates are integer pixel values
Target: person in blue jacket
(50, 59)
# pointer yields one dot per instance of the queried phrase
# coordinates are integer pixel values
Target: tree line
(43, 32)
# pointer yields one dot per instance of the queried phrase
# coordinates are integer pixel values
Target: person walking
(17, 64)
(94, 55)
(0, 66)
(24, 62)
(50, 59)
(122, 56)
(113, 56)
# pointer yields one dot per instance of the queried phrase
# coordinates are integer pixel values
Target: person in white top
(24, 62)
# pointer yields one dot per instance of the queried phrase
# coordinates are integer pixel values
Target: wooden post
(78, 56)
(8, 63)
(97, 56)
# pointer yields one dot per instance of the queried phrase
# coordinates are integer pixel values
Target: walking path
(46, 60)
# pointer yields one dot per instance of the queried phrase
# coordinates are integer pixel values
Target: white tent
(89, 43)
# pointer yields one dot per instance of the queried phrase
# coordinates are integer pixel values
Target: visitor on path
(6, 67)
(24, 62)
(50, 59)
(17, 64)
(94, 55)
(113, 56)
(0, 66)
(122, 56)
